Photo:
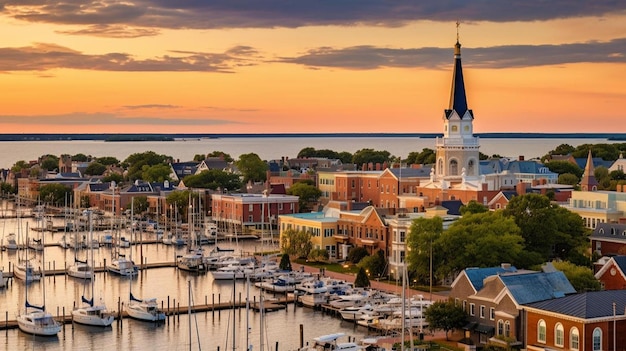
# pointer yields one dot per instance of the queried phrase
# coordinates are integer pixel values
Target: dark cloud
(44, 56)
(105, 119)
(113, 31)
(370, 57)
(204, 14)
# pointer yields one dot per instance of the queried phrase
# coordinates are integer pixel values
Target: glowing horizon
(149, 67)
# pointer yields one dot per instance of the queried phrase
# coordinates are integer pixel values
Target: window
(464, 305)
(454, 128)
(558, 335)
(507, 329)
(482, 311)
(573, 339)
(472, 307)
(454, 167)
(500, 327)
(492, 313)
(597, 339)
(541, 331)
(250, 207)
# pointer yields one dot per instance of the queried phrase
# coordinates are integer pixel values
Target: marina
(209, 311)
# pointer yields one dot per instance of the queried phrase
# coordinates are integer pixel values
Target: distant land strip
(173, 137)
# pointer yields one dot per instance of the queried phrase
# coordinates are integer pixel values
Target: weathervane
(457, 30)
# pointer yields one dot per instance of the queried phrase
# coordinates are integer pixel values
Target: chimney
(520, 158)
(521, 188)
(378, 166)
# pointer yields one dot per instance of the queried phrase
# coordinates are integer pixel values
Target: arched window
(573, 339)
(454, 167)
(541, 331)
(559, 335)
(440, 166)
(500, 327)
(454, 128)
(471, 168)
(507, 329)
(597, 339)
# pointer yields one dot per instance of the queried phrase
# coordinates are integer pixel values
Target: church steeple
(458, 99)
(588, 181)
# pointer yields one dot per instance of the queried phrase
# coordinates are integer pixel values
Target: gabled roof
(619, 261)
(98, 187)
(215, 163)
(537, 286)
(530, 167)
(185, 168)
(422, 172)
(476, 276)
(588, 305)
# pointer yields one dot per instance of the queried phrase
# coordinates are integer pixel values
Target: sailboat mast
(93, 267)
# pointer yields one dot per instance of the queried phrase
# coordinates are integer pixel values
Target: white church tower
(457, 151)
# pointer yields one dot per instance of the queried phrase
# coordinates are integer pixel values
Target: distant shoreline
(171, 137)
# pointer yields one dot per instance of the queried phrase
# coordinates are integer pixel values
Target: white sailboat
(193, 259)
(34, 319)
(80, 269)
(24, 269)
(119, 264)
(90, 313)
(144, 309)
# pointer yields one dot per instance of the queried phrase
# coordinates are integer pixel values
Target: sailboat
(120, 265)
(24, 269)
(91, 314)
(35, 320)
(144, 309)
(193, 260)
(80, 269)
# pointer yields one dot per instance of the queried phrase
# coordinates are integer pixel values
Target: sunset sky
(288, 66)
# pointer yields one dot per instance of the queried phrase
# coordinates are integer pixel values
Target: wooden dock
(268, 306)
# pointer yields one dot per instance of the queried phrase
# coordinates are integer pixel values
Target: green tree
(19, 166)
(199, 157)
(427, 156)
(213, 179)
(581, 278)
(548, 229)
(446, 316)
(345, 157)
(602, 176)
(226, 157)
(252, 168)
(180, 201)
(421, 243)
(285, 263)
(307, 195)
(137, 161)
(80, 158)
(296, 243)
(487, 239)
(156, 173)
(108, 160)
(376, 264)
(6, 188)
(318, 255)
(473, 207)
(49, 162)
(370, 155)
(113, 177)
(568, 179)
(361, 280)
(55, 194)
(563, 167)
(139, 204)
(95, 168)
(356, 254)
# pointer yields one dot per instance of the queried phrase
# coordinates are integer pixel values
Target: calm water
(269, 148)
(215, 329)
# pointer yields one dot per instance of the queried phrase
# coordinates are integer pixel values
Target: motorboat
(233, 271)
(330, 342)
(106, 238)
(355, 312)
(192, 261)
(144, 309)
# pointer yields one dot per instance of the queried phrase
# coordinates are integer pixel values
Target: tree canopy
(252, 168)
(307, 195)
(446, 316)
(296, 243)
(137, 161)
(426, 156)
(370, 155)
(310, 152)
(361, 280)
(421, 242)
(213, 179)
(95, 168)
(56, 194)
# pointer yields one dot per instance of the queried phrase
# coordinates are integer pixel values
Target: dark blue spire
(458, 99)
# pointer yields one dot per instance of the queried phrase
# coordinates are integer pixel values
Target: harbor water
(210, 330)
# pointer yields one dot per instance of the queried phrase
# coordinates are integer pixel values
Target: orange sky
(147, 67)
